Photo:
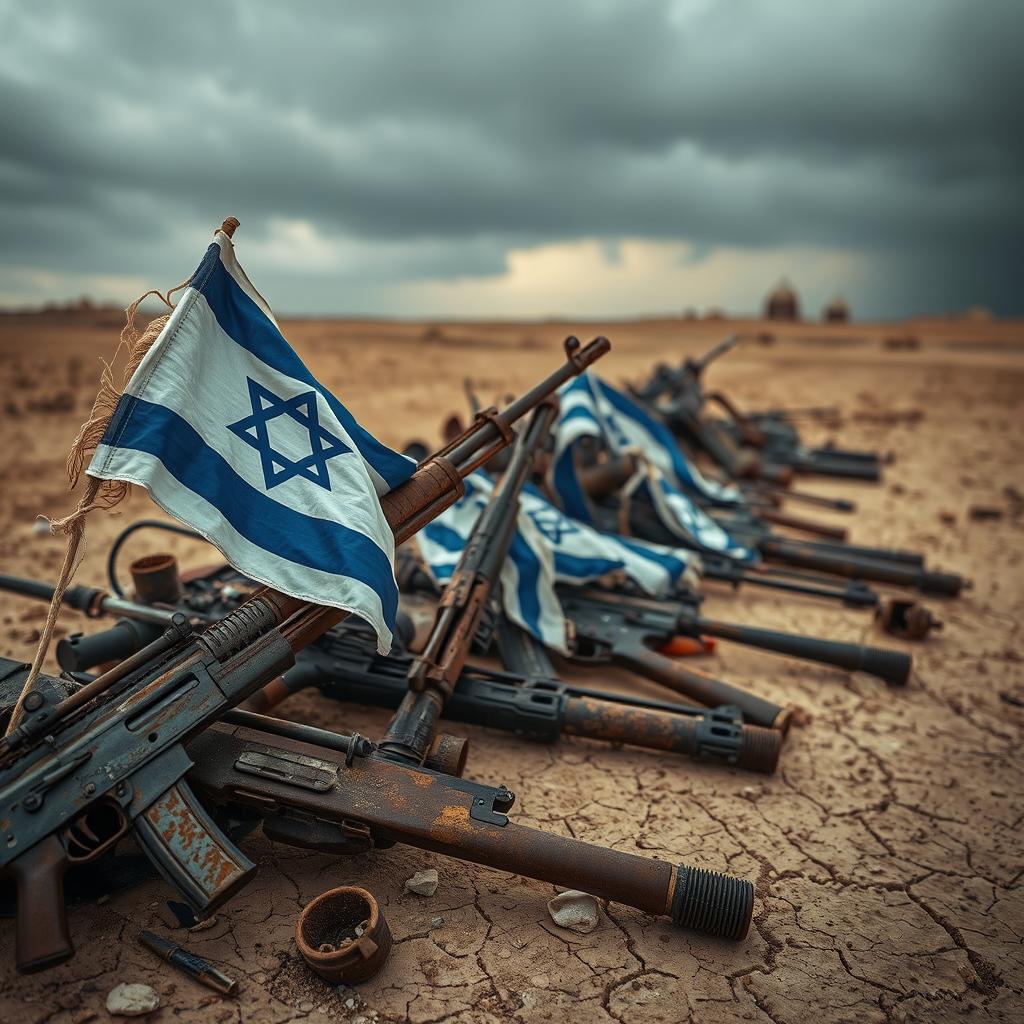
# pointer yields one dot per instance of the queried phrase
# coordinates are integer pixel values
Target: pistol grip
(190, 851)
(41, 938)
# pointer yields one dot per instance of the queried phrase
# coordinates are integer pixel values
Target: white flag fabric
(230, 433)
(590, 407)
(549, 548)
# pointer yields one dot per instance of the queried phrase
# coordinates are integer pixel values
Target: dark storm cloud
(431, 138)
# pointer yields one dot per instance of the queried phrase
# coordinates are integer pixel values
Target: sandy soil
(887, 850)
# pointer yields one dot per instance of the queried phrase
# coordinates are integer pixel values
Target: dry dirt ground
(886, 851)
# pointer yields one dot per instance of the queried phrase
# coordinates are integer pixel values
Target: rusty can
(156, 579)
(343, 936)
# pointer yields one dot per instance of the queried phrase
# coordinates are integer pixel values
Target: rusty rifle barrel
(578, 361)
(654, 729)
(408, 804)
(839, 533)
(703, 688)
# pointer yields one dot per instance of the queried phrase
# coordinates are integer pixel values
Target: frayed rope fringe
(106, 494)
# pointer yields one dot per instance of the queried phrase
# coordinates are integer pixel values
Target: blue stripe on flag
(577, 412)
(529, 576)
(674, 566)
(246, 324)
(661, 433)
(568, 489)
(575, 567)
(306, 540)
(443, 536)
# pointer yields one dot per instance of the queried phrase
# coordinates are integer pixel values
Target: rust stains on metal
(187, 839)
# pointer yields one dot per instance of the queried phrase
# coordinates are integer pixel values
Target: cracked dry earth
(886, 851)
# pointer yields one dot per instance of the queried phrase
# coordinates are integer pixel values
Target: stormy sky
(482, 159)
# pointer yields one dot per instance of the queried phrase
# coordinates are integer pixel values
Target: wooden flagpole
(98, 493)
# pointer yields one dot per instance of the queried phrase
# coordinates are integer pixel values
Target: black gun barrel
(853, 595)
(892, 666)
(851, 567)
(94, 601)
(782, 494)
(701, 363)
(879, 554)
(821, 465)
(82, 652)
(546, 709)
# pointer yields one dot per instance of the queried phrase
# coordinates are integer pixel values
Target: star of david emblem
(277, 467)
(553, 524)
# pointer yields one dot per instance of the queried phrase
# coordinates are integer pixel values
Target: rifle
(339, 794)
(435, 672)
(908, 620)
(614, 626)
(647, 662)
(677, 396)
(82, 771)
(528, 700)
(897, 568)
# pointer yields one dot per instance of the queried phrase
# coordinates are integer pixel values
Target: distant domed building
(782, 304)
(836, 312)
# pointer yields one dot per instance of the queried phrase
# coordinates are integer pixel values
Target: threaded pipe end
(759, 749)
(712, 903)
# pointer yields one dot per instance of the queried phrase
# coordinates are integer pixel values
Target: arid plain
(887, 849)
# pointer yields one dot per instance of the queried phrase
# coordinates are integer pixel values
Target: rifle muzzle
(82, 653)
(712, 903)
(892, 666)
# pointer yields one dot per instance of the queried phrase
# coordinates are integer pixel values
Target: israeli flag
(548, 548)
(230, 433)
(592, 408)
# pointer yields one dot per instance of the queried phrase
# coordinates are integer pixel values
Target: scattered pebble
(132, 1000)
(423, 883)
(436, 922)
(574, 910)
(980, 513)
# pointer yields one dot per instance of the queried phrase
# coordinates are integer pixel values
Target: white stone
(423, 883)
(132, 1000)
(577, 911)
